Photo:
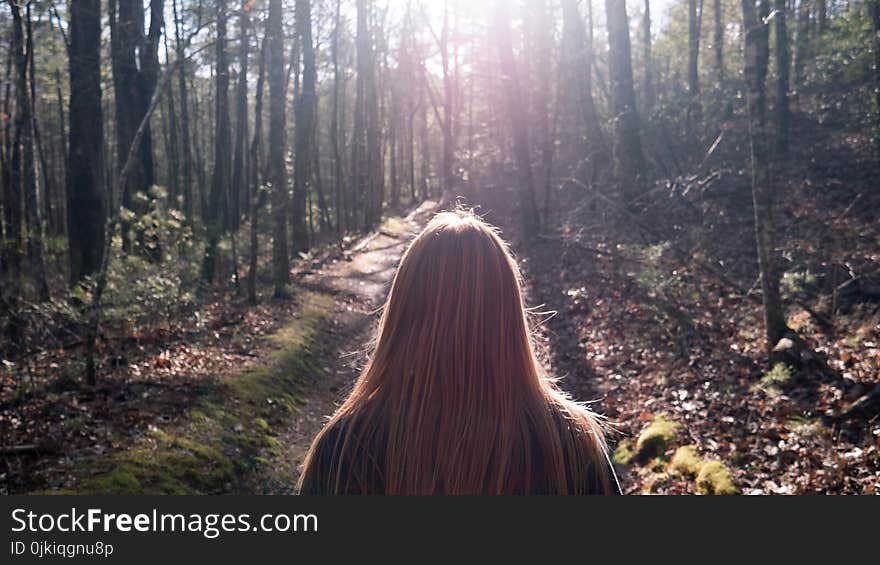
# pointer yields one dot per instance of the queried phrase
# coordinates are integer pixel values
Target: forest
(203, 202)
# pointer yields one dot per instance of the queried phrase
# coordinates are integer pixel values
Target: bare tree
(756, 58)
(783, 65)
(215, 216)
(306, 104)
(277, 147)
(86, 201)
(629, 161)
(516, 113)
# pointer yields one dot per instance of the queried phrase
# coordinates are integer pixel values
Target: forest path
(358, 285)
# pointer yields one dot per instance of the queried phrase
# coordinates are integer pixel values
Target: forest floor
(671, 352)
(228, 401)
(228, 398)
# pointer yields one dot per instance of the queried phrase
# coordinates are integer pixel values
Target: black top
(326, 461)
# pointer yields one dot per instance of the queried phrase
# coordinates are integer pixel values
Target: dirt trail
(358, 284)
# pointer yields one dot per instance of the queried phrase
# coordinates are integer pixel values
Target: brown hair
(453, 400)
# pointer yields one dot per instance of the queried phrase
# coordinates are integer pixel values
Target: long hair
(453, 399)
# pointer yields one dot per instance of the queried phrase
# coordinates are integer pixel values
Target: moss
(176, 465)
(653, 482)
(686, 461)
(225, 434)
(654, 439)
(118, 481)
(778, 376)
(395, 224)
(623, 455)
(714, 478)
(657, 464)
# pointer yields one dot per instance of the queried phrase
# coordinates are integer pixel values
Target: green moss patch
(221, 440)
(714, 478)
(655, 438)
(623, 454)
(686, 461)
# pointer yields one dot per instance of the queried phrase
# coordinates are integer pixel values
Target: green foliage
(778, 376)
(795, 283)
(138, 286)
(714, 478)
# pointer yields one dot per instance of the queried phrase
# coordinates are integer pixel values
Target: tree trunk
(277, 147)
(647, 62)
(215, 216)
(306, 105)
(448, 107)
(718, 45)
(134, 80)
(86, 202)
(629, 161)
(374, 136)
(694, 113)
(579, 53)
(338, 175)
(362, 142)
(23, 162)
(10, 254)
(541, 97)
(239, 157)
(173, 154)
(756, 58)
(186, 167)
(783, 114)
(13, 197)
(519, 126)
(875, 20)
(254, 191)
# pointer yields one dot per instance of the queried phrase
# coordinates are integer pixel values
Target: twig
(17, 449)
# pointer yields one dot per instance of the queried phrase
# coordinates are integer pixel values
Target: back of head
(452, 400)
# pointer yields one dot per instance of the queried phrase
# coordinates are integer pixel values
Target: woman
(453, 400)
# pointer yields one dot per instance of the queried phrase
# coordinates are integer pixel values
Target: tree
(516, 114)
(693, 116)
(367, 177)
(718, 45)
(578, 63)
(783, 113)
(756, 40)
(240, 150)
(338, 176)
(821, 15)
(449, 106)
(277, 147)
(629, 161)
(215, 215)
(801, 46)
(186, 166)
(875, 21)
(542, 29)
(255, 163)
(23, 163)
(646, 56)
(306, 104)
(135, 59)
(86, 203)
